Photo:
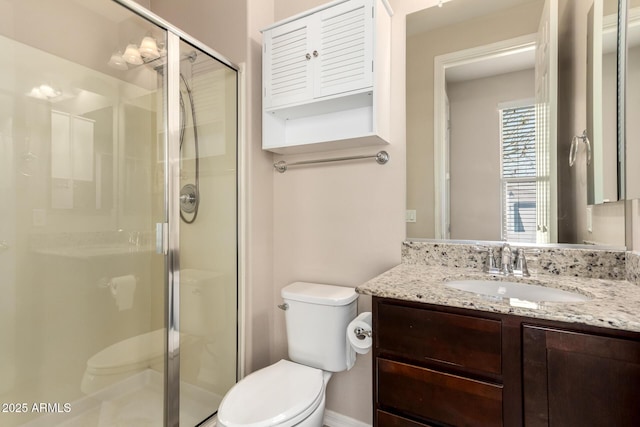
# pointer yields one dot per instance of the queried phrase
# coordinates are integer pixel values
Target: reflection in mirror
(633, 102)
(82, 160)
(495, 93)
(602, 170)
(633, 124)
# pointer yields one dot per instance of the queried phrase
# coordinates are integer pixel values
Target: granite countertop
(614, 303)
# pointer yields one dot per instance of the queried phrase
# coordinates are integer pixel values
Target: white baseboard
(334, 419)
(331, 419)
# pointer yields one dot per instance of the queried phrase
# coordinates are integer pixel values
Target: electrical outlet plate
(410, 215)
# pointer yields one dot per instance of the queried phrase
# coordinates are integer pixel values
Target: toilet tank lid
(316, 293)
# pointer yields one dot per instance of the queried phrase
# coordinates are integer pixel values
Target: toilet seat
(282, 394)
(132, 354)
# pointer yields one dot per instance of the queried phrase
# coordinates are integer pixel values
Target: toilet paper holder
(362, 333)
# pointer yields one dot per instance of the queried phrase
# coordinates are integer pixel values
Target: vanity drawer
(420, 334)
(437, 396)
(385, 419)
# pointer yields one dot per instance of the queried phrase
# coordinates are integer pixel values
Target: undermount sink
(519, 294)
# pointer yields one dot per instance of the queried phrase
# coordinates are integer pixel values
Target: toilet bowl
(123, 359)
(292, 393)
(283, 394)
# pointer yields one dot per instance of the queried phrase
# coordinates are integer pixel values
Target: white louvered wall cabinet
(326, 78)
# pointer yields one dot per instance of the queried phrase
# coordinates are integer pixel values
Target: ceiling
(453, 12)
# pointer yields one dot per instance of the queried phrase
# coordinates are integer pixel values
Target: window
(518, 155)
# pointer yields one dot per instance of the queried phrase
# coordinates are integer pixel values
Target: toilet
(201, 292)
(292, 392)
(123, 359)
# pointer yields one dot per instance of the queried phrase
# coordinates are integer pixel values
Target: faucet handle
(490, 265)
(520, 264)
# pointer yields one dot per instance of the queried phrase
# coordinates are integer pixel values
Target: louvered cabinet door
(287, 73)
(343, 58)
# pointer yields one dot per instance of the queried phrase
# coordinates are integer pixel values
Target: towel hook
(573, 150)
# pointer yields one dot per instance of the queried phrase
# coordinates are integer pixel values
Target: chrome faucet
(511, 263)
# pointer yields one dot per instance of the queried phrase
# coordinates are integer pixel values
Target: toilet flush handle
(284, 306)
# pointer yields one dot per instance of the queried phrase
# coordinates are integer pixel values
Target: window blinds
(518, 174)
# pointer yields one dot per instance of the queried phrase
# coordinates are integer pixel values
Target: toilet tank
(316, 318)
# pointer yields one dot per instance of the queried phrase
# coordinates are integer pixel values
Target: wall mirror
(499, 96)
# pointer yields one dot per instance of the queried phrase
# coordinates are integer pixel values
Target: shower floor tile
(135, 402)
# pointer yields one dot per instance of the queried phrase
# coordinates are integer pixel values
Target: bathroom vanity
(436, 365)
(447, 357)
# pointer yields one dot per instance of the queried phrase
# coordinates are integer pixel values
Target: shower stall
(118, 239)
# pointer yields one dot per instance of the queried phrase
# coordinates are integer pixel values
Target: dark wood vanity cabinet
(440, 366)
(431, 367)
(576, 379)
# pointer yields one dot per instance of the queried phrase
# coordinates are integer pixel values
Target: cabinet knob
(308, 56)
(315, 53)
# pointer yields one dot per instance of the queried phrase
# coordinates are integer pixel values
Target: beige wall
(475, 151)
(259, 201)
(342, 223)
(421, 50)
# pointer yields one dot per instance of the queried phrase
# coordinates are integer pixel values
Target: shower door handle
(4, 246)
(162, 230)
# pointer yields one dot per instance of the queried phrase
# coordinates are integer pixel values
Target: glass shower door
(82, 338)
(117, 308)
(208, 233)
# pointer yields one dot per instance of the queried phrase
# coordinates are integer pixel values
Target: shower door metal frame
(172, 209)
(171, 234)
